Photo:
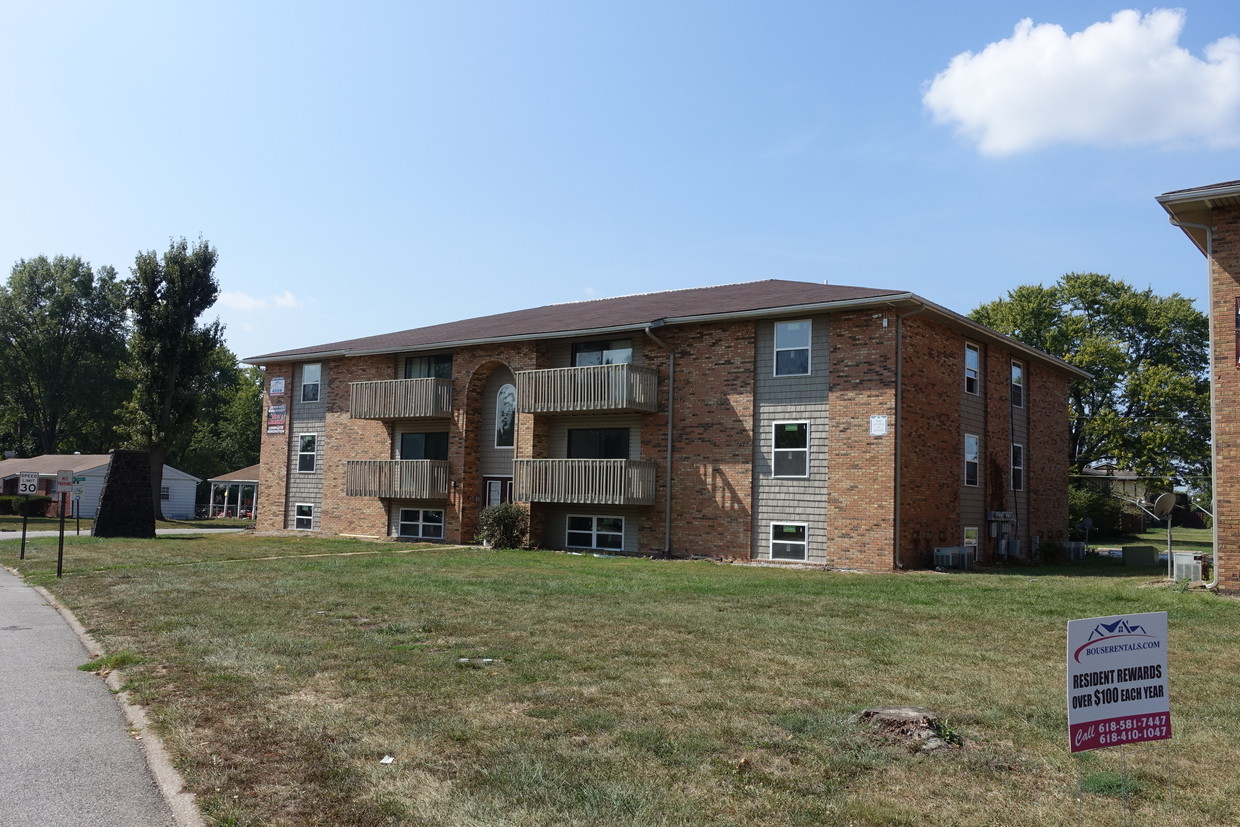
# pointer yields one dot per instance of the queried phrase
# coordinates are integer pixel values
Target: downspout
(899, 420)
(667, 476)
(1213, 584)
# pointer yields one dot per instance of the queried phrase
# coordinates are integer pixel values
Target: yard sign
(1117, 681)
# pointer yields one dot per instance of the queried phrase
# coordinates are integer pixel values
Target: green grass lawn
(1182, 539)
(633, 692)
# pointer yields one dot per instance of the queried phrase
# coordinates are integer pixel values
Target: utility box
(1140, 556)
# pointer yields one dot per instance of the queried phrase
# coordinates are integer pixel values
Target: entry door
(496, 490)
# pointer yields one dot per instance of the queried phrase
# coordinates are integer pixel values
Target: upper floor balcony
(584, 481)
(400, 399)
(406, 479)
(593, 389)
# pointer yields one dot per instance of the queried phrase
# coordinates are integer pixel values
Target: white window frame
(594, 531)
(976, 462)
(971, 535)
(165, 493)
(972, 375)
(499, 401)
(313, 454)
(1017, 389)
(807, 347)
(316, 384)
(775, 451)
(297, 517)
(420, 522)
(1018, 467)
(804, 543)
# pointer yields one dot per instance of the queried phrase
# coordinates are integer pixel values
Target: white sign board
(64, 482)
(1117, 681)
(878, 426)
(28, 483)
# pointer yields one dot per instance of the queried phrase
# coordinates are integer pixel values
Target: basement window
(788, 541)
(591, 531)
(304, 517)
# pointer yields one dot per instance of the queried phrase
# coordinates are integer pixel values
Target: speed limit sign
(28, 483)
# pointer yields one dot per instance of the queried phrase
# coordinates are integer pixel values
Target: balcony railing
(406, 479)
(400, 399)
(584, 481)
(588, 389)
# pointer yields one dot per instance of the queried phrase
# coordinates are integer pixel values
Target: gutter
(1209, 251)
(899, 421)
(667, 476)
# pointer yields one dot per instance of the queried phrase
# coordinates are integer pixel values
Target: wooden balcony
(400, 399)
(594, 389)
(406, 479)
(584, 481)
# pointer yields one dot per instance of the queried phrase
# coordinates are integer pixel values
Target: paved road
(66, 759)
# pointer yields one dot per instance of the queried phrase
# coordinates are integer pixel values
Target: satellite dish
(1163, 505)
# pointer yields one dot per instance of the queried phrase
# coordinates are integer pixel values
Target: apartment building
(780, 421)
(1210, 217)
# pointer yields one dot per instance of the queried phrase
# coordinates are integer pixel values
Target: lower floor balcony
(584, 481)
(406, 479)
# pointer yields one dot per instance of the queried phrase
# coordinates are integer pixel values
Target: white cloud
(1122, 82)
(248, 304)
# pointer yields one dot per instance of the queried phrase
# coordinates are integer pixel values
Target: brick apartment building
(1210, 217)
(847, 427)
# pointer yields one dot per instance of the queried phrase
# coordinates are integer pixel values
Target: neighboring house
(234, 494)
(1210, 217)
(178, 486)
(848, 427)
(1109, 479)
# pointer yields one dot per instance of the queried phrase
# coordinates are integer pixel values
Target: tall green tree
(1147, 408)
(62, 342)
(226, 436)
(170, 353)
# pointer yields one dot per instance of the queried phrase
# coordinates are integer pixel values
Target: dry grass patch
(623, 691)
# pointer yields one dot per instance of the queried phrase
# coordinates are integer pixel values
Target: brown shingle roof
(601, 314)
(249, 474)
(51, 463)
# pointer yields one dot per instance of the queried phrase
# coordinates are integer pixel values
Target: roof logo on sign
(1114, 631)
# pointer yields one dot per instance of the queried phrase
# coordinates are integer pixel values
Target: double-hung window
(595, 532)
(792, 341)
(421, 523)
(1018, 467)
(788, 541)
(972, 454)
(1018, 385)
(306, 452)
(972, 368)
(791, 449)
(311, 375)
(438, 366)
(304, 517)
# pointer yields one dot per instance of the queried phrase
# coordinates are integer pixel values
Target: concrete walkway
(66, 756)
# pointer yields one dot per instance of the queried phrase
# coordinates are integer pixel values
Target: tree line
(91, 362)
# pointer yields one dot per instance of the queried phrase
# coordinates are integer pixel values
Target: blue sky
(391, 165)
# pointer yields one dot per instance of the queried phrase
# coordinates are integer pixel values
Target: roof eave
(1194, 207)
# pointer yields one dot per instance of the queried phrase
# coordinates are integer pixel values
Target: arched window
(505, 417)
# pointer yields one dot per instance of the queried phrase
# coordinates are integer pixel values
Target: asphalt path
(66, 756)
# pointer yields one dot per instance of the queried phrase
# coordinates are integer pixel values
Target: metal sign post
(27, 484)
(64, 484)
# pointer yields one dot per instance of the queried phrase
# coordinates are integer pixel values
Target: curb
(169, 781)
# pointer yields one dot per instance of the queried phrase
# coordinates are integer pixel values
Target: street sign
(64, 481)
(79, 479)
(28, 483)
(1117, 681)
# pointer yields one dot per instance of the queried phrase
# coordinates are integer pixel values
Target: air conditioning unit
(1185, 567)
(955, 557)
(1075, 549)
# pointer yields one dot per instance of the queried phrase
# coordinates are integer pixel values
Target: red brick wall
(1047, 458)
(860, 484)
(712, 465)
(1225, 289)
(345, 438)
(931, 449)
(273, 456)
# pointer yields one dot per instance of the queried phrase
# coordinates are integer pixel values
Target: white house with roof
(178, 490)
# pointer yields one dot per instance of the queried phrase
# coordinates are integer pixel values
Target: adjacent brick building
(1210, 217)
(847, 427)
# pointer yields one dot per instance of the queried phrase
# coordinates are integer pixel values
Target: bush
(1107, 512)
(503, 526)
(36, 506)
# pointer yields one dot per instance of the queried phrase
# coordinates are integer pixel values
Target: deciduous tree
(1147, 407)
(170, 353)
